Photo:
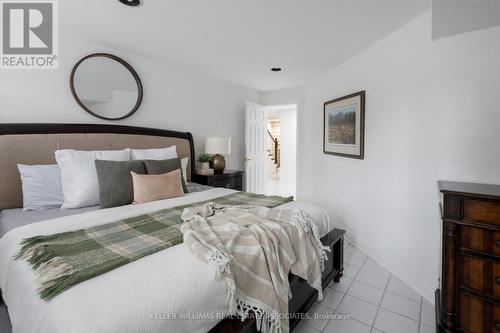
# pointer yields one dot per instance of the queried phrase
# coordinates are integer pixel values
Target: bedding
(184, 165)
(157, 167)
(42, 188)
(154, 293)
(194, 187)
(149, 188)
(154, 154)
(268, 243)
(115, 182)
(13, 218)
(63, 260)
(79, 177)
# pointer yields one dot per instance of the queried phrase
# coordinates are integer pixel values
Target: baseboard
(422, 288)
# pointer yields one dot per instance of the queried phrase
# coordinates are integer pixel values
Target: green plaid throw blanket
(66, 259)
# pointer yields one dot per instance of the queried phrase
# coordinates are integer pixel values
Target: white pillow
(42, 187)
(184, 164)
(154, 154)
(79, 176)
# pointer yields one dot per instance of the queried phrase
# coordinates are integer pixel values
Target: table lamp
(217, 146)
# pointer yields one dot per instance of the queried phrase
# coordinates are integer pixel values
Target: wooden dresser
(469, 299)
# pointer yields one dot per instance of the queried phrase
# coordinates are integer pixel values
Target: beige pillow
(157, 187)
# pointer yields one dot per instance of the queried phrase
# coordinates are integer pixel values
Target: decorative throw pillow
(42, 187)
(149, 188)
(79, 177)
(153, 154)
(115, 181)
(160, 167)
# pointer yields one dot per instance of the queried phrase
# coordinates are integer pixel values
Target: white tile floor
(371, 300)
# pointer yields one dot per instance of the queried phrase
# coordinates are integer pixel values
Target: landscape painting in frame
(344, 122)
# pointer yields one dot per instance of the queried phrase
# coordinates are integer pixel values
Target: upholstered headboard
(36, 144)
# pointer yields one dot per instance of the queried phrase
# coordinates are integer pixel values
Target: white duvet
(151, 294)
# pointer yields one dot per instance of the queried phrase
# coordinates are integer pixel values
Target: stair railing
(276, 149)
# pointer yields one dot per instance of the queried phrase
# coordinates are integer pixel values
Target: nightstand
(229, 179)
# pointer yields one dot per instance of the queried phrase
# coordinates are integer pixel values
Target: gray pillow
(154, 167)
(115, 181)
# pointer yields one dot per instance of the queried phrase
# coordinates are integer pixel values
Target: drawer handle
(497, 279)
(497, 325)
(497, 243)
(228, 186)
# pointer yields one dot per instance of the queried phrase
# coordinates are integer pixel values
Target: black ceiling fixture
(132, 3)
(276, 69)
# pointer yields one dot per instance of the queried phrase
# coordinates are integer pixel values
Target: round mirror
(106, 86)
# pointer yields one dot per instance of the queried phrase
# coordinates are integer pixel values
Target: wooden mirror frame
(120, 61)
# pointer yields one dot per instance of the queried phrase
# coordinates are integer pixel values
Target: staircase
(274, 146)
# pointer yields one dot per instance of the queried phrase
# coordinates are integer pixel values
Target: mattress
(168, 291)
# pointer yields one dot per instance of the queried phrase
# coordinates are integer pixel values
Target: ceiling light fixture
(276, 69)
(132, 3)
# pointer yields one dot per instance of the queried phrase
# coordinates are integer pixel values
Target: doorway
(281, 147)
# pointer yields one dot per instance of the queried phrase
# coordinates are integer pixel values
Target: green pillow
(115, 181)
(154, 167)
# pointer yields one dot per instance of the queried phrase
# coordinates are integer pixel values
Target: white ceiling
(239, 40)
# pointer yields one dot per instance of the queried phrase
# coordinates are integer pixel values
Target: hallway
(282, 150)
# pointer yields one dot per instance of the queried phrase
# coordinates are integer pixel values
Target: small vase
(218, 163)
(205, 165)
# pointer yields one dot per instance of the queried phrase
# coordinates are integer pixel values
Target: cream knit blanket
(255, 249)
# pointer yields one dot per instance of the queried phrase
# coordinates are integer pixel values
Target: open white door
(255, 147)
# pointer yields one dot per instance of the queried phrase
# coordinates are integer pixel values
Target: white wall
(288, 137)
(174, 98)
(451, 17)
(432, 112)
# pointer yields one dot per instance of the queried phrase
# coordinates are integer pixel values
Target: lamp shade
(214, 145)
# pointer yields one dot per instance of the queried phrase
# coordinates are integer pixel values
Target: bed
(169, 291)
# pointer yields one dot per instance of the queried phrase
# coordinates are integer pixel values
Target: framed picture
(344, 126)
